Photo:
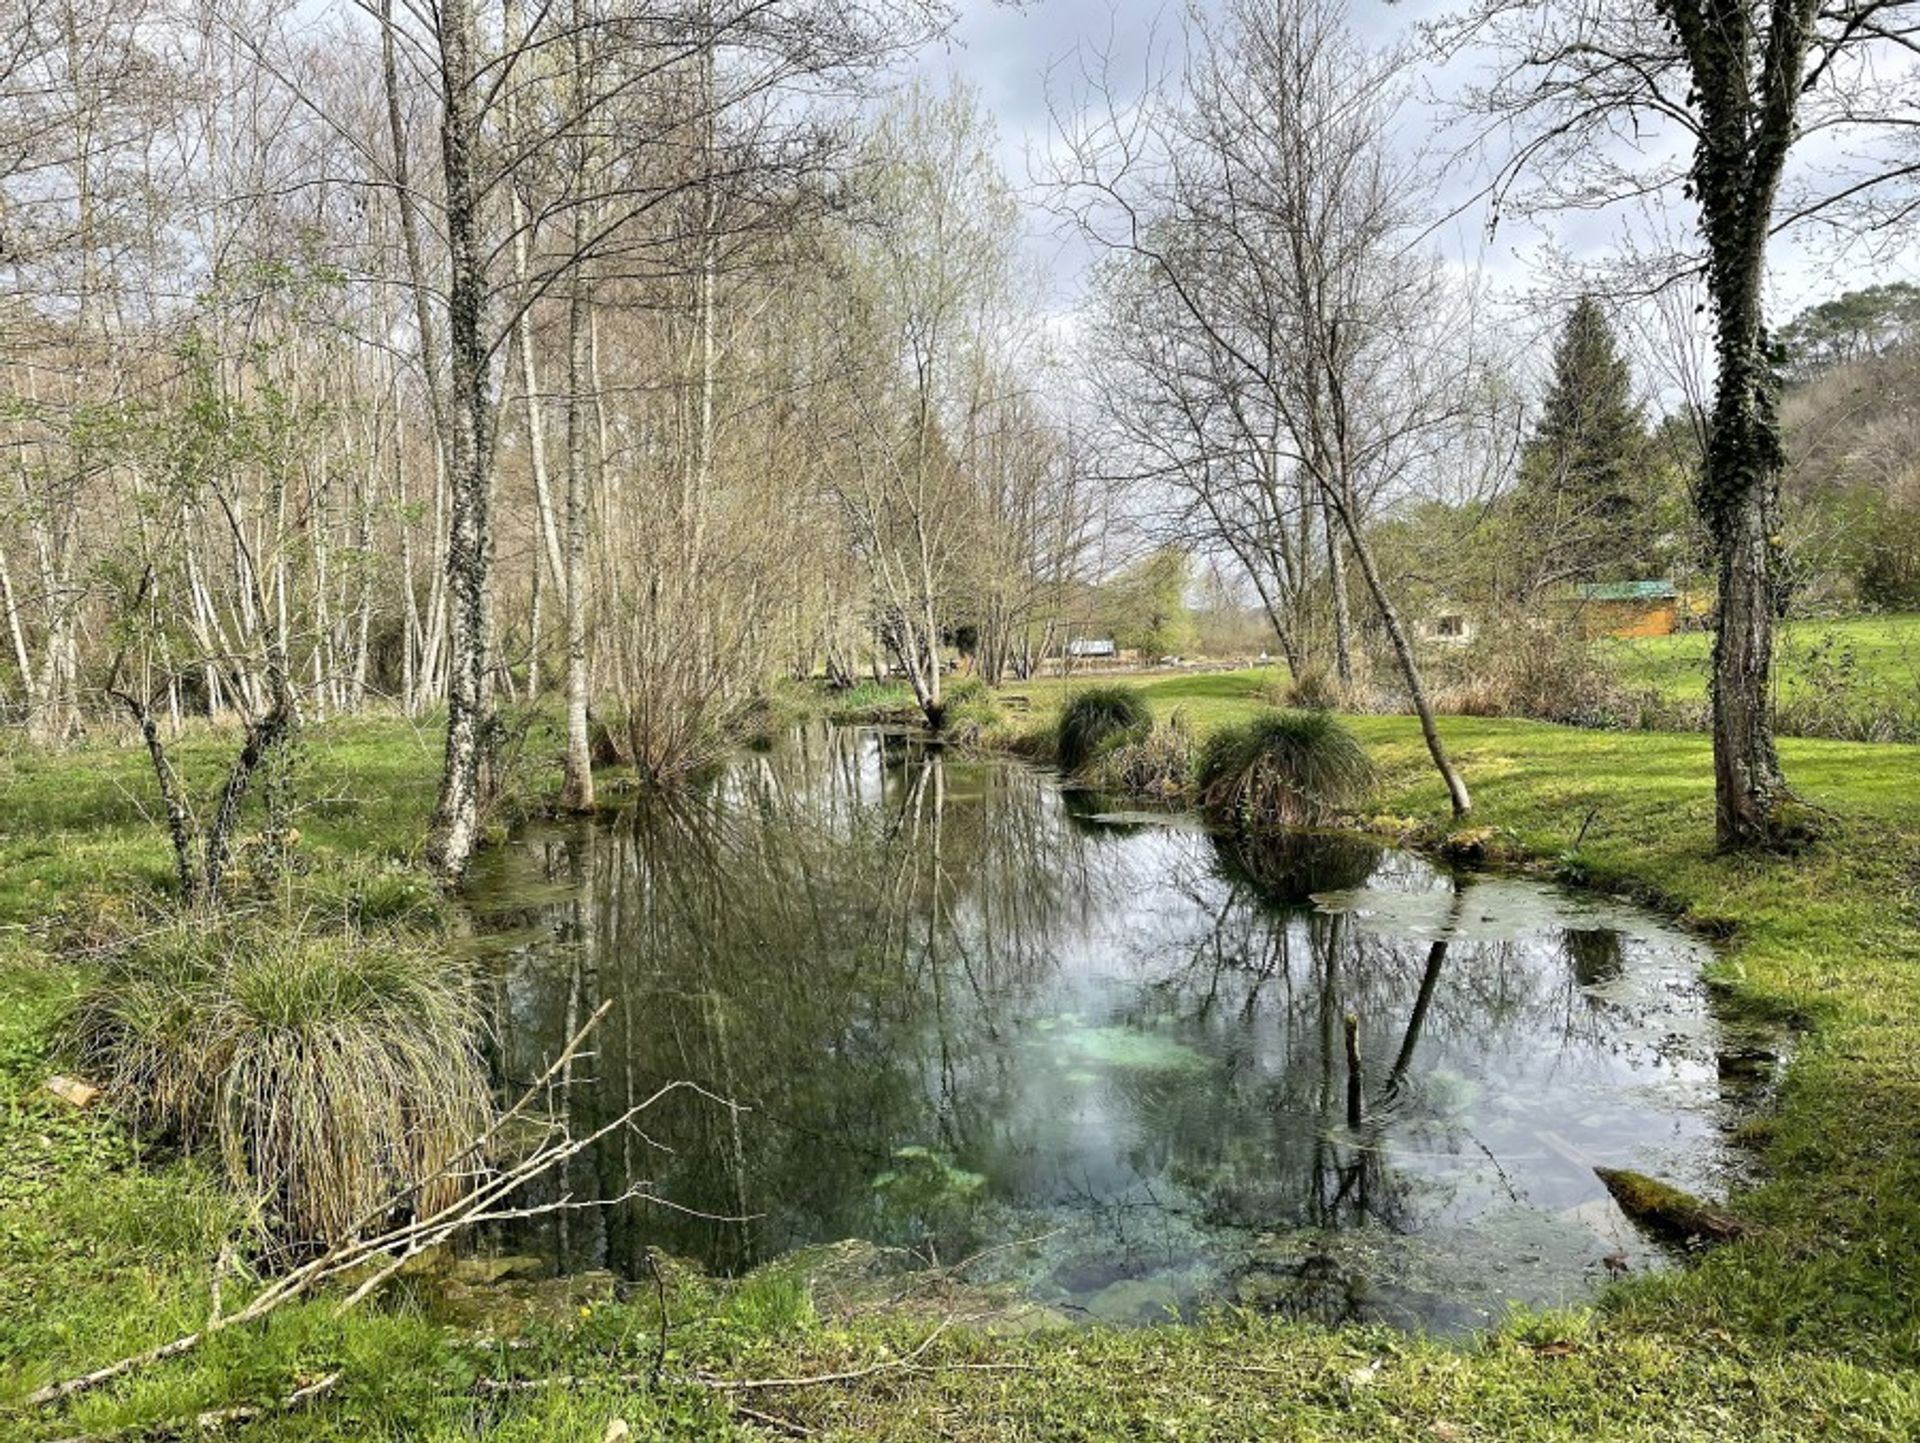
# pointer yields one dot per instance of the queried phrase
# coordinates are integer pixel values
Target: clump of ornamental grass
(1097, 717)
(1158, 765)
(1283, 769)
(328, 1074)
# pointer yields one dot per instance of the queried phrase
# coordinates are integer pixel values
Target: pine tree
(1584, 501)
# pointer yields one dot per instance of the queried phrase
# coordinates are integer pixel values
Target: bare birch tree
(902, 328)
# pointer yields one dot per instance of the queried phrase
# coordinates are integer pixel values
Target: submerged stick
(1354, 1111)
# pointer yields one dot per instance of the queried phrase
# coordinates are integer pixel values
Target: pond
(957, 1006)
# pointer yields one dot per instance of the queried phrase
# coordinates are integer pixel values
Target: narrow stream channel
(959, 1005)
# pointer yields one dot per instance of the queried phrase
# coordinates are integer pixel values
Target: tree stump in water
(1667, 1210)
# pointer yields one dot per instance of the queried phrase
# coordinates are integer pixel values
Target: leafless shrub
(1549, 673)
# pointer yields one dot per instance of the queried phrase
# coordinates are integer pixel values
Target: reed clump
(1097, 717)
(326, 1073)
(1158, 765)
(1283, 769)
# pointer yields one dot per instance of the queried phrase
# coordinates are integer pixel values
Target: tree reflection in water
(955, 1008)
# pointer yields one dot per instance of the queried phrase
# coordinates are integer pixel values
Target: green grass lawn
(1206, 698)
(1810, 1330)
(74, 825)
(1877, 655)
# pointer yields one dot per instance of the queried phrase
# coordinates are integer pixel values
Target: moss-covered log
(1667, 1210)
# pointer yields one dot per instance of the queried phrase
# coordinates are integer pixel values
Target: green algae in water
(923, 1173)
(1124, 1047)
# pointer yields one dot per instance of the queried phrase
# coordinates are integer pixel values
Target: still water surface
(958, 1005)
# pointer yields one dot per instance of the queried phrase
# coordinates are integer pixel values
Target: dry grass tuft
(327, 1073)
(1314, 688)
(1158, 765)
(1097, 717)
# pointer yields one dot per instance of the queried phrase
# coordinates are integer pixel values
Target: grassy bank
(1855, 677)
(1883, 650)
(1810, 1330)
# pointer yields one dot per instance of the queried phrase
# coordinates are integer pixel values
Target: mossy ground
(1811, 1329)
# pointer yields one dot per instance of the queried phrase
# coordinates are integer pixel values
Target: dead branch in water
(1667, 1210)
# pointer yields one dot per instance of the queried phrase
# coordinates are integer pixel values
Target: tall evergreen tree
(1584, 504)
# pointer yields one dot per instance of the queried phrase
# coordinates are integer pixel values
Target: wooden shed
(1628, 608)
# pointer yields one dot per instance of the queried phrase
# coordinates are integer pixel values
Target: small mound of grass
(326, 1073)
(967, 691)
(1312, 688)
(870, 701)
(1158, 765)
(1283, 769)
(771, 713)
(1097, 717)
(971, 711)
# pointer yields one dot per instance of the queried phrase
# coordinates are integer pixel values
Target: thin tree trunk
(179, 819)
(455, 830)
(523, 329)
(1342, 617)
(17, 636)
(1403, 651)
(577, 791)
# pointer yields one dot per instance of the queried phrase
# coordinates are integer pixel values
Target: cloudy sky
(1014, 54)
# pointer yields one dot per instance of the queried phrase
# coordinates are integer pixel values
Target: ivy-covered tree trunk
(1738, 502)
(1748, 785)
(456, 817)
(1748, 78)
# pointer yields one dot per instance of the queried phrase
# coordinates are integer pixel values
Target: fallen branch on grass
(772, 1421)
(909, 1362)
(393, 1246)
(886, 1365)
(214, 1418)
